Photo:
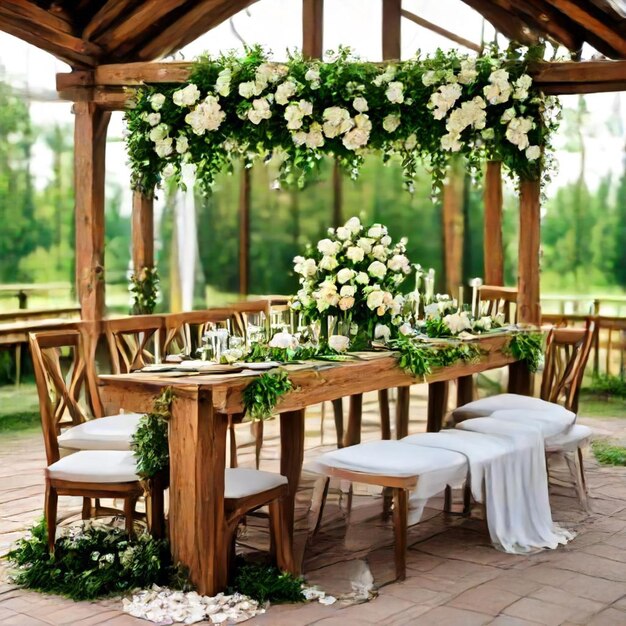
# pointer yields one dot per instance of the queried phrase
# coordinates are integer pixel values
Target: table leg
(355, 416)
(338, 415)
(437, 405)
(520, 379)
(402, 412)
(385, 419)
(291, 458)
(197, 439)
(464, 390)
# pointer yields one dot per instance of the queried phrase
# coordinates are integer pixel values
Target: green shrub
(609, 454)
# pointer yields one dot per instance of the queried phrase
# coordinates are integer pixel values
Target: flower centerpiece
(354, 276)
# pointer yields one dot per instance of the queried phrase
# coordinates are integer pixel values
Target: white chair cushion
(575, 437)
(96, 466)
(505, 401)
(104, 433)
(522, 433)
(390, 458)
(550, 425)
(241, 482)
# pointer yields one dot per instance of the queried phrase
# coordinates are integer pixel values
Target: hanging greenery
(291, 114)
(144, 287)
(150, 443)
(263, 393)
(527, 347)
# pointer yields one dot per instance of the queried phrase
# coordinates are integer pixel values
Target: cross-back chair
(94, 473)
(134, 342)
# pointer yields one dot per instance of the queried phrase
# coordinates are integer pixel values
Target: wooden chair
(134, 342)
(87, 473)
(500, 300)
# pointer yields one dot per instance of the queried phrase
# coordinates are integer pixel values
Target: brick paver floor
(454, 576)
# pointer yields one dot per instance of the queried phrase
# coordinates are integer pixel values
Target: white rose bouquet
(354, 275)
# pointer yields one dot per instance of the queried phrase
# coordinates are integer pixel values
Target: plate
(262, 365)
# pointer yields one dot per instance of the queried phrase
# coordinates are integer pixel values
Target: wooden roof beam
(420, 21)
(110, 11)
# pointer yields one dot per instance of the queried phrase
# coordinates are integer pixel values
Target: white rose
(365, 244)
(260, 111)
(382, 332)
(355, 254)
(153, 118)
(169, 170)
(377, 269)
(187, 96)
(395, 92)
(356, 138)
(353, 225)
(379, 252)
(339, 343)
(337, 121)
(385, 240)
(376, 231)
(360, 104)
(284, 91)
(508, 115)
(293, 115)
(343, 233)
(164, 147)
(347, 291)
(406, 329)
(326, 246)
(283, 340)
(431, 310)
(247, 89)
(312, 75)
(391, 122)
(305, 267)
(444, 99)
(182, 144)
(468, 71)
(344, 275)
(533, 153)
(429, 78)
(398, 262)
(157, 100)
(362, 278)
(222, 84)
(329, 263)
(374, 299)
(410, 142)
(346, 303)
(208, 115)
(457, 322)
(159, 132)
(485, 322)
(451, 142)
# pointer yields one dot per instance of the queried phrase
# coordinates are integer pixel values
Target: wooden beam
(142, 231)
(492, 238)
(391, 25)
(420, 21)
(244, 232)
(578, 71)
(46, 31)
(452, 219)
(206, 14)
(89, 157)
(313, 28)
(110, 11)
(528, 307)
(592, 24)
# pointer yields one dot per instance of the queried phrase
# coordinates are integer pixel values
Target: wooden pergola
(112, 45)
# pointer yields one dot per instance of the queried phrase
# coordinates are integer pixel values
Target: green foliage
(150, 441)
(144, 286)
(608, 386)
(263, 393)
(261, 352)
(419, 359)
(436, 327)
(266, 583)
(232, 131)
(527, 347)
(608, 454)
(19, 408)
(91, 562)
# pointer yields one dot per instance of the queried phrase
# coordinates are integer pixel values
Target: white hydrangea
(222, 84)
(187, 96)
(391, 122)
(444, 99)
(468, 71)
(533, 153)
(337, 121)
(377, 269)
(360, 104)
(259, 111)
(360, 134)
(157, 100)
(395, 92)
(182, 144)
(284, 91)
(517, 131)
(208, 115)
(499, 88)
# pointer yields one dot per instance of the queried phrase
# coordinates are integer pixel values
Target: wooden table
(197, 436)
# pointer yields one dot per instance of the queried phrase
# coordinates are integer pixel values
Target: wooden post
(392, 16)
(90, 128)
(143, 231)
(313, 28)
(492, 241)
(244, 232)
(452, 215)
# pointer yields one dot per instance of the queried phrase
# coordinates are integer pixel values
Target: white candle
(157, 346)
(475, 283)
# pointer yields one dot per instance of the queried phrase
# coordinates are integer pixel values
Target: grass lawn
(19, 408)
(594, 405)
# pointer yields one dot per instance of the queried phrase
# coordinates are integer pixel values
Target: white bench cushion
(96, 466)
(241, 482)
(113, 432)
(550, 425)
(573, 438)
(505, 401)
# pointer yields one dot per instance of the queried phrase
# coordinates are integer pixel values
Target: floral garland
(291, 114)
